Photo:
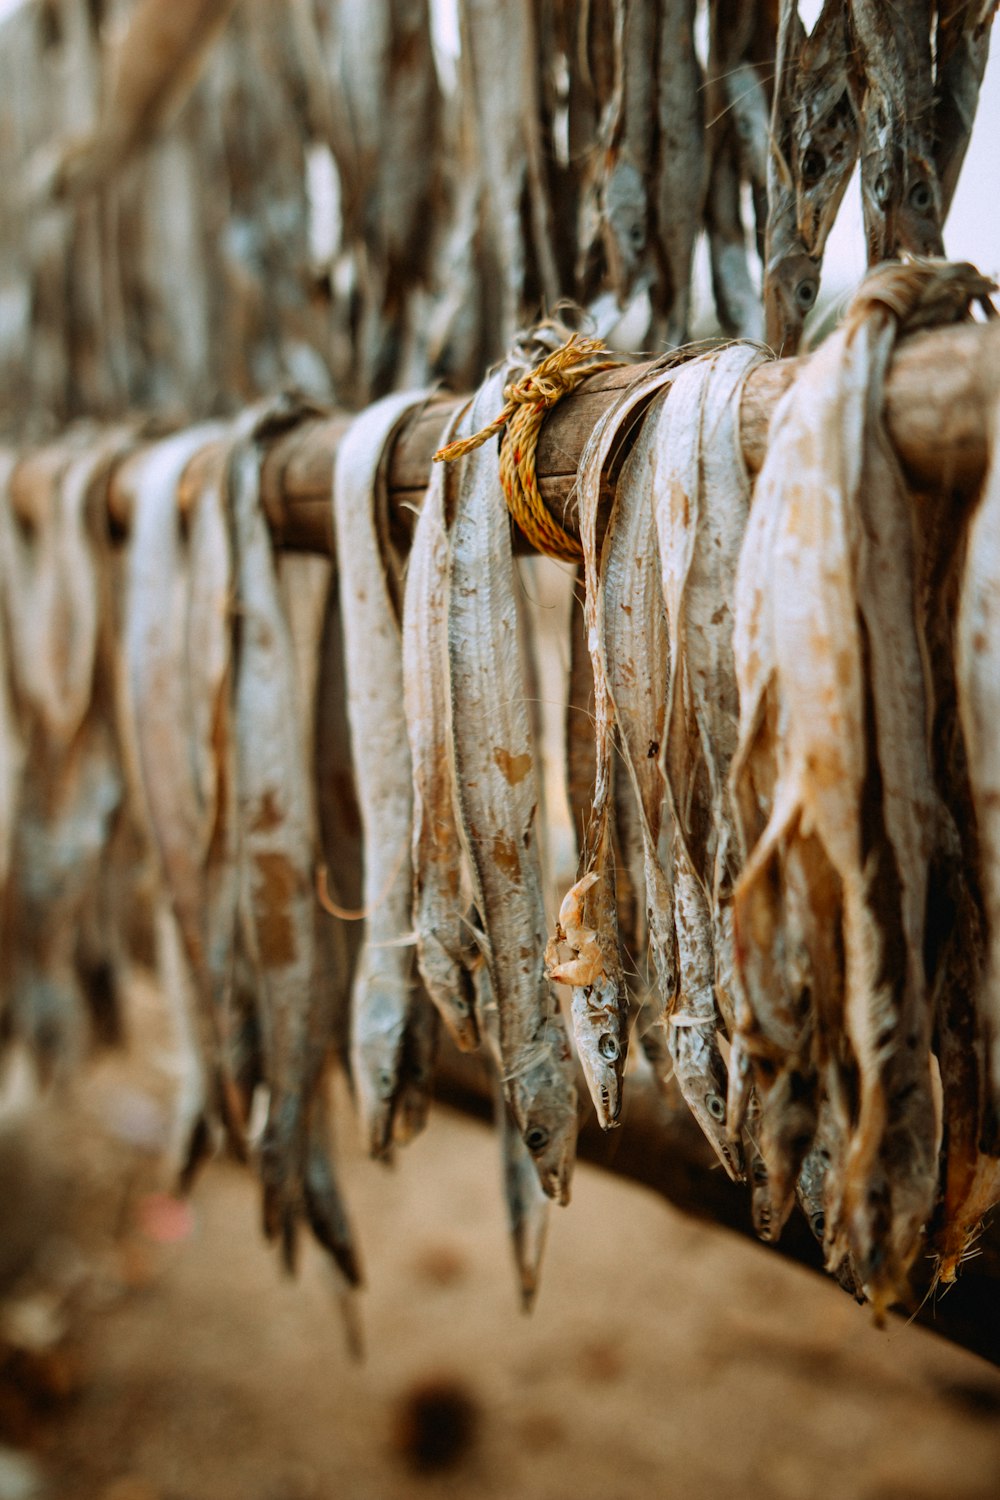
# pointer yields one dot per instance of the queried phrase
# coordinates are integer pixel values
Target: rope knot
(526, 402)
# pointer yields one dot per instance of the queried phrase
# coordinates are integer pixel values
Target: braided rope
(526, 403)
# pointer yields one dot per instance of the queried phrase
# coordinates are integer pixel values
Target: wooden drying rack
(942, 395)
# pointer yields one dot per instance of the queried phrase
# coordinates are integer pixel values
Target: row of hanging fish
(353, 208)
(787, 885)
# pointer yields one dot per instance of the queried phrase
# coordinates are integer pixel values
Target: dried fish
(157, 64)
(169, 642)
(825, 132)
(276, 822)
(68, 783)
(497, 795)
(439, 903)
(527, 1205)
(791, 279)
(961, 50)
(681, 166)
(501, 62)
(900, 193)
(384, 983)
(833, 635)
(978, 684)
(737, 300)
(339, 816)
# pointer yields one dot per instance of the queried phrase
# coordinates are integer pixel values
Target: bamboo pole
(942, 390)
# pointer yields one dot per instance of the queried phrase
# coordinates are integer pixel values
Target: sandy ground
(663, 1359)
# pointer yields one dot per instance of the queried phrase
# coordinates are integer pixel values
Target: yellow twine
(526, 403)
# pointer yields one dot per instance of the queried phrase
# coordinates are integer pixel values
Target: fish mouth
(730, 1153)
(608, 1102)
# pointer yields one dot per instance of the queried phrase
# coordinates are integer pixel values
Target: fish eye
(819, 1224)
(806, 293)
(537, 1138)
(386, 1082)
(813, 167)
(880, 187)
(920, 197)
(637, 236)
(716, 1106)
(608, 1047)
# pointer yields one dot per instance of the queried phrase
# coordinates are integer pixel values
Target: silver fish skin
(791, 275)
(276, 829)
(632, 659)
(500, 56)
(496, 797)
(901, 196)
(737, 300)
(961, 52)
(977, 660)
(681, 166)
(526, 1203)
(339, 818)
(825, 131)
(439, 902)
(168, 711)
(383, 988)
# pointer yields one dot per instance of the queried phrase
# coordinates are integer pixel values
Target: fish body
(384, 983)
(496, 798)
(439, 903)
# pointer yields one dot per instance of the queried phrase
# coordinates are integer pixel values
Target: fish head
(881, 175)
(624, 223)
(787, 1129)
(701, 1077)
(791, 289)
(376, 1074)
(544, 1104)
(824, 149)
(600, 1026)
(919, 216)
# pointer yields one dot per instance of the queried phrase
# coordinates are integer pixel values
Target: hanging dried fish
(824, 133)
(961, 51)
(978, 683)
(497, 795)
(157, 64)
(176, 657)
(384, 983)
(681, 167)
(831, 665)
(737, 300)
(340, 833)
(69, 782)
(791, 282)
(900, 192)
(439, 903)
(500, 62)
(276, 822)
(526, 1204)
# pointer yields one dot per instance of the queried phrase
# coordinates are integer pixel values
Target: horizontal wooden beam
(941, 397)
(941, 394)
